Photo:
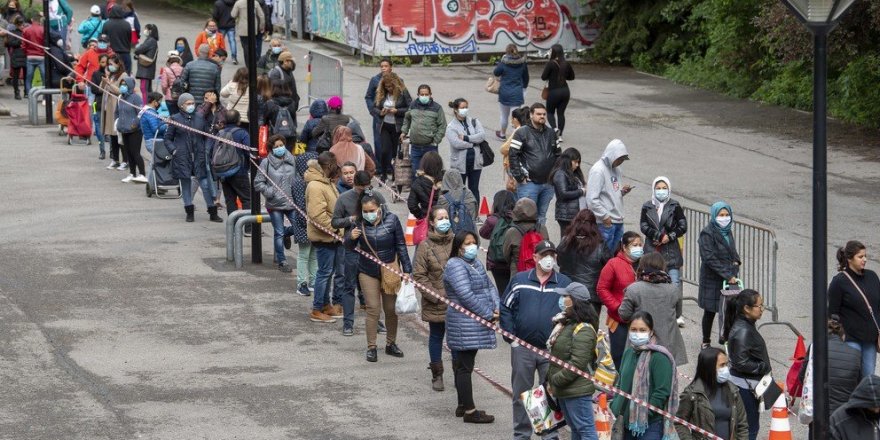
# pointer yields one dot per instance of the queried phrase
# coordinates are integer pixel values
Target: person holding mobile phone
(605, 192)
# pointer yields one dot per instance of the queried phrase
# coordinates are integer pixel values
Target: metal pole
(47, 62)
(300, 22)
(474, 11)
(253, 127)
(287, 33)
(820, 231)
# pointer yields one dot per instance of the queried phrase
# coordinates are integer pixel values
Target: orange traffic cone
(780, 429)
(410, 227)
(600, 415)
(484, 208)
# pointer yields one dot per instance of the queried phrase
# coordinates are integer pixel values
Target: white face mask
(723, 221)
(723, 374)
(463, 112)
(547, 263)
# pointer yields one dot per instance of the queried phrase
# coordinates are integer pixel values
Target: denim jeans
(435, 340)
(415, 155)
(654, 432)
(187, 193)
(471, 177)
(750, 402)
(96, 122)
(346, 282)
(869, 356)
(280, 231)
(29, 76)
(541, 193)
(612, 235)
(306, 265)
(617, 340)
(327, 257)
(578, 412)
(675, 274)
(229, 36)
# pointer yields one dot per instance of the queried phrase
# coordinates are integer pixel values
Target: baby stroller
(402, 171)
(79, 117)
(160, 179)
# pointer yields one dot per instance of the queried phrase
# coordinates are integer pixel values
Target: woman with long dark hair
(749, 360)
(711, 402)
(149, 48)
(426, 187)
(583, 254)
(513, 75)
(501, 218)
(113, 79)
(518, 118)
(570, 186)
(854, 295)
(557, 73)
(615, 277)
(467, 284)
(282, 97)
(181, 45)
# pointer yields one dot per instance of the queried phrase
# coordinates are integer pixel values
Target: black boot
(436, 375)
(17, 94)
(190, 213)
(212, 211)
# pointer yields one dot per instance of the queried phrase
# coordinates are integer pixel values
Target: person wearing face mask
(430, 260)
(91, 27)
(147, 53)
(464, 134)
(129, 128)
(321, 196)
(860, 417)
(211, 37)
(283, 73)
(573, 340)
(189, 159)
(663, 223)
(528, 306)
(424, 124)
(152, 127)
(277, 189)
(711, 402)
(90, 60)
(719, 264)
(112, 80)
(378, 233)
(269, 59)
(97, 79)
(615, 277)
(222, 15)
(181, 45)
(605, 192)
(172, 70)
(466, 283)
(389, 106)
(647, 371)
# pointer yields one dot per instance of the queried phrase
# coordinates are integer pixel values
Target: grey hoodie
(525, 218)
(453, 188)
(604, 195)
(127, 120)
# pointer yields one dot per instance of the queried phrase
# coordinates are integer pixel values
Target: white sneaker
(139, 179)
(128, 179)
(680, 322)
(122, 167)
(113, 165)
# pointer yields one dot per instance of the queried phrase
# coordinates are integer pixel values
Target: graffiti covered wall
(429, 27)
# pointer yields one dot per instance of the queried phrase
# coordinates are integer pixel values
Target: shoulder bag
(146, 61)
(389, 279)
(545, 92)
(485, 149)
(493, 84)
(870, 309)
(420, 231)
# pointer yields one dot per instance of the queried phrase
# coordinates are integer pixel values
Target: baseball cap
(95, 10)
(575, 291)
(545, 246)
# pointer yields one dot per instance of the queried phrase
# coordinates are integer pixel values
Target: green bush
(855, 94)
(792, 86)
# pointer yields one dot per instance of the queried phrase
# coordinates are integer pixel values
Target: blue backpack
(459, 216)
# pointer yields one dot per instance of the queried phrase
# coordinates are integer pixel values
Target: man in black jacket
(118, 31)
(222, 14)
(202, 75)
(533, 152)
(858, 419)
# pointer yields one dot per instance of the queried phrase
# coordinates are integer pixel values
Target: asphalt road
(119, 320)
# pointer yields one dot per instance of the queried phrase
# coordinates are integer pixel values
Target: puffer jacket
(696, 408)
(267, 62)
(430, 260)
(127, 115)
(851, 421)
(579, 350)
(514, 74)
(202, 75)
(844, 371)
(533, 152)
(321, 195)
(583, 268)
(473, 134)
(672, 223)
(615, 277)
(468, 284)
(187, 147)
(747, 350)
(317, 110)
(569, 190)
(300, 225)
(281, 171)
(524, 219)
(719, 261)
(386, 241)
(425, 124)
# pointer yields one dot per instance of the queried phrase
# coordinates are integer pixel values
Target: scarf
(655, 276)
(559, 320)
(716, 208)
(638, 415)
(658, 204)
(346, 150)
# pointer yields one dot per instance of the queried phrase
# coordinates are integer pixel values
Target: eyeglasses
(762, 307)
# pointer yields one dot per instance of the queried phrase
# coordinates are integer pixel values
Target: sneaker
(347, 331)
(316, 316)
(380, 329)
(122, 167)
(680, 321)
(303, 290)
(113, 165)
(139, 179)
(128, 179)
(372, 356)
(478, 417)
(285, 267)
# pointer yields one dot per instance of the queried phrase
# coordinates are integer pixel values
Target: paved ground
(119, 320)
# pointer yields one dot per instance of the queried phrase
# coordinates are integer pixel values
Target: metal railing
(324, 76)
(757, 248)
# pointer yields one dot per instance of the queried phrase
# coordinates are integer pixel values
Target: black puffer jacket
(202, 75)
(18, 59)
(222, 14)
(187, 147)
(569, 190)
(533, 153)
(584, 268)
(747, 350)
(854, 420)
(672, 223)
(844, 371)
(386, 239)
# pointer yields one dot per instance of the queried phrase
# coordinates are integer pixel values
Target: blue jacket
(468, 285)
(514, 74)
(370, 96)
(241, 136)
(151, 124)
(317, 110)
(528, 308)
(187, 147)
(127, 115)
(90, 28)
(388, 241)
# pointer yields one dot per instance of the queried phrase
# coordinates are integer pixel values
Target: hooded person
(456, 193)
(524, 219)
(317, 110)
(118, 31)
(663, 222)
(129, 127)
(348, 151)
(605, 192)
(719, 263)
(275, 182)
(859, 418)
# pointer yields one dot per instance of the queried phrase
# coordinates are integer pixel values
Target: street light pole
(47, 61)
(253, 128)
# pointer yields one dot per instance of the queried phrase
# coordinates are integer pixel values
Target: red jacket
(615, 277)
(89, 63)
(33, 33)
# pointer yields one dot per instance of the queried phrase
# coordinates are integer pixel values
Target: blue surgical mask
(102, 46)
(276, 50)
(424, 99)
(279, 151)
(370, 217)
(123, 89)
(636, 252)
(723, 374)
(180, 48)
(639, 339)
(443, 225)
(190, 108)
(112, 68)
(661, 194)
(470, 252)
(562, 303)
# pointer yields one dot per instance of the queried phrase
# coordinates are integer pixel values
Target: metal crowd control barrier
(757, 249)
(231, 245)
(324, 76)
(33, 107)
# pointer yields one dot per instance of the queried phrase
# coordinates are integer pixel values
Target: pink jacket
(169, 74)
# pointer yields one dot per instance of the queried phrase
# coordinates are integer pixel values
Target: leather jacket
(747, 350)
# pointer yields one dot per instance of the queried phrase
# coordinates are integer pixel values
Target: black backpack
(459, 216)
(226, 161)
(178, 86)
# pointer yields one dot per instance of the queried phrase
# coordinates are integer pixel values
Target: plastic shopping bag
(407, 299)
(543, 418)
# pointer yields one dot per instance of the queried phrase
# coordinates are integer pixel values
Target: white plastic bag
(407, 299)
(805, 407)
(544, 419)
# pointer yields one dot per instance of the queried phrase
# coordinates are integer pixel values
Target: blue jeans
(327, 257)
(471, 177)
(612, 235)
(346, 280)
(750, 402)
(654, 432)
(280, 231)
(869, 356)
(541, 193)
(578, 412)
(186, 191)
(229, 36)
(29, 76)
(96, 122)
(675, 274)
(435, 340)
(415, 155)
(617, 340)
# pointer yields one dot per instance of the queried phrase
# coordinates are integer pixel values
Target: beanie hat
(183, 98)
(334, 102)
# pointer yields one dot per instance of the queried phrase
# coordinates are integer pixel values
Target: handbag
(146, 61)
(870, 309)
(485, 149)
(542, 417)
(389, 279)
(420, 231)
(493, 84)
(545, 92)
